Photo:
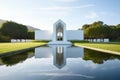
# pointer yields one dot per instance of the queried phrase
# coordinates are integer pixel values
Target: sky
(43, 14)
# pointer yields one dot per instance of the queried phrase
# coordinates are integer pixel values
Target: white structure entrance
(59, 33)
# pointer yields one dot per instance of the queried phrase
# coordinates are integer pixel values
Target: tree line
(12, 30)
(97, 57)
(99, 30)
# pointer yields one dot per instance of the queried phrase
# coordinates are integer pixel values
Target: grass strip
(8, 47)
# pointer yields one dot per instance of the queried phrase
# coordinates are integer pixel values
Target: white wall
(43, 35)
(75, 35)
(106, 40)
(98, 40)
(70, 34)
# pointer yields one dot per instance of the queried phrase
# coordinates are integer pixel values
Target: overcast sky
(43, 13)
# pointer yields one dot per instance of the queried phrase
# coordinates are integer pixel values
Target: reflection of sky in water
(42, 67)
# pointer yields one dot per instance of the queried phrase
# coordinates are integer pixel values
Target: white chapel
(59, 35)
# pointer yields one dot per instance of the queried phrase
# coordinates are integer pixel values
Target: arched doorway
(59, 32)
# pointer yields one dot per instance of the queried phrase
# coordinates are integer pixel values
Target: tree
(98, 57)
(4, 38)
(100, 30)
(94, 30)
(118, 31)
(85, 26)
(30, 35)
(14, 59)
(14, 30)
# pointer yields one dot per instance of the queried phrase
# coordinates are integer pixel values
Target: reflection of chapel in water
(60, 53)
(59, 57)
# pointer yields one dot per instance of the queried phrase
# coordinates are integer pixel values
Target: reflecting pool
(61, 62)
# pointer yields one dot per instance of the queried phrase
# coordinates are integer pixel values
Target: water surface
(60, 63)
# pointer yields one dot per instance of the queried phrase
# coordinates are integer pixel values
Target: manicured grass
(8, 47)
(105, 46)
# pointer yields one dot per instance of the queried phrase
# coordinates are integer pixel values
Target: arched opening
(59, 32)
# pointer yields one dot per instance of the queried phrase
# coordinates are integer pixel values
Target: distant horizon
(75, 13)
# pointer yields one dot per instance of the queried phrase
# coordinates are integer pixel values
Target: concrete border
(18, 51)
(101, 50)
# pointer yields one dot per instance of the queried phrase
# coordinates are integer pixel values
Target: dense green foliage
(4, 38)
(79, 41)
(14, 59)
(12, 30)
(98, 57)
(30, 35)
(100, 30)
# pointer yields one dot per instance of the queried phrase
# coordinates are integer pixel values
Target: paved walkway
(101, 50)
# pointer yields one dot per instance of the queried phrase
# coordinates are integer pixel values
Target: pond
(60, 63)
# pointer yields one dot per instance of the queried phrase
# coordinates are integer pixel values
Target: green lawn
(105, 46)
(8, 47)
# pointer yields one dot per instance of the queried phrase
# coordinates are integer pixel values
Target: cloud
(92, 15)
(103, 13)
(91, 66)
(65, 8)
(65, 0)
(63, 74)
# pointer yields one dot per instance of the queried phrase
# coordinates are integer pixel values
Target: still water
(60, 63)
